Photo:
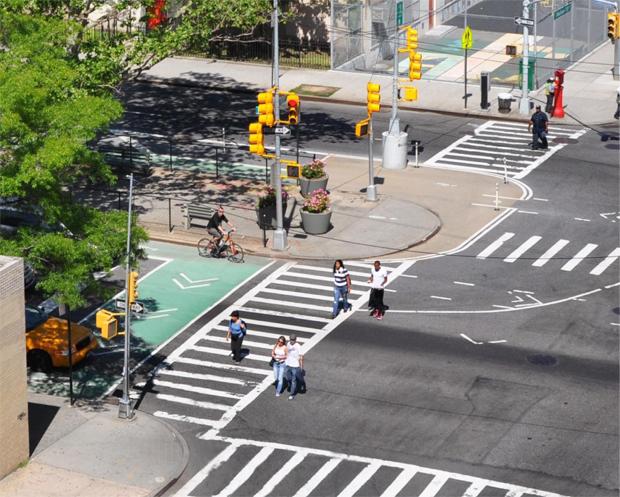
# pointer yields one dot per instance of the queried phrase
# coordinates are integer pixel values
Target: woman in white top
(279, 354)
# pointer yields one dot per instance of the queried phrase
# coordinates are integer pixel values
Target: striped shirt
(340, 277)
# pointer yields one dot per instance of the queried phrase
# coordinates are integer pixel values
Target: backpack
(244, 330)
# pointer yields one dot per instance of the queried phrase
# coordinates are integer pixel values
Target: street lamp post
(524, 104)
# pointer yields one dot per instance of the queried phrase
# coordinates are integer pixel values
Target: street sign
(399, 13)
(524, 21)
(135, 306)
(467, 39)
(562, 10)
(283, 130)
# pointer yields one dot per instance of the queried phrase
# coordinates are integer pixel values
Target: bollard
(170, 155)
(505, 172)
(217, 164)
(417, 155)
(169, 215)
(496, 196)
(119, 200)
(264, 236)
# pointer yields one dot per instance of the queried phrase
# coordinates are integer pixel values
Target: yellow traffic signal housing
(133, 287)
(256, 139)
(265, 109)
(292, 101)
(415, 66)
(293, 171)
(411, 94)
(373, 98)
(106, 321)
(361, 128)
(613, 26)
(412, 38)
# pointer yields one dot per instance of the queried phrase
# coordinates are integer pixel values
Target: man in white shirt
(294, 365)
(378, 279)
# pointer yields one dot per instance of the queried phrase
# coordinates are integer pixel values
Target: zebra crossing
(199, 384)
(247, 467)
(502, 148)
(562, 254)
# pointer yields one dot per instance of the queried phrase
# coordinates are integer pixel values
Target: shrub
(268, 198)
(316, 169)
(318, 202)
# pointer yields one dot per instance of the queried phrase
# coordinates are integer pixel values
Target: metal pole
(217, 163)
(505, 171)
(70, 343)
(572, 31)
(371, 191)
(170, 153)
(496, 196)
(279, 236)
(465, 69)
(297, 138)
(616, 71)
(553, 33)
(536, 45)
(125, 409)
(589, 22)
(394, 122)
(417, 163)
(524, 104)
(169, 215)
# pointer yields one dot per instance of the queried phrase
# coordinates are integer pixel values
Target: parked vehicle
(47, 341)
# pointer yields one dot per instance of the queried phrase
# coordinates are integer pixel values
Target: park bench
(129, 159)
(197, 211)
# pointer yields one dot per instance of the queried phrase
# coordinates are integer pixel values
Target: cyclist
(214, 227)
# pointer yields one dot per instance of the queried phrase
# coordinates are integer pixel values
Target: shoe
(379, 316)
(373, 312)
(291, 397)
(334, 316)
(237, 362)
(278, 394)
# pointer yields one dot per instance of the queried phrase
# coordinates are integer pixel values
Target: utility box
(530, 73)
(107, 323)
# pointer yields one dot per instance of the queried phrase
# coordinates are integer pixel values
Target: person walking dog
(378, 279)
(342, 288)
(279, 354)
(236, 332)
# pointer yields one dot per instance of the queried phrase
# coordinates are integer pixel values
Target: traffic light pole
(524, 104)
(394, 121)
(371, 191)
(279, 235)
(125, 409)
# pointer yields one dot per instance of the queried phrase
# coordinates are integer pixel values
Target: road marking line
(463, 283)
(615, 324)
(500, 196)
(502, 306)
(475, 488)
(191, 402)
(218, 365)
(223, 352)
(582, 219)
(497, 341)
(470, 339)
(524, 247)
(434, 486)
(248, 470)
(287, 303)
(187, 419)
(367, 266)
(359, 481)
(271, 484)
(408, 276)
(495, 245)
(523, 291)
(296, 294)
(324, 278)
(315, 287)
(328, 270)
(291, 315)
(264, 334)
(204, 377)
(249, 343)
(605, 263)
(548, 255)
(192, 388)
(579, 256)
(284, 326)
(440, 298)
(527, 212)
(317, 478)
(399, 483)
(541, 199)
(489, 205)
(612, 285)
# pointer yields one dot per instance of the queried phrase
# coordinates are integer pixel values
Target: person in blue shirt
(538, 127)
(236, 332)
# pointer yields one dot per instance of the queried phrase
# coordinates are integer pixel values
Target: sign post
(467, 41)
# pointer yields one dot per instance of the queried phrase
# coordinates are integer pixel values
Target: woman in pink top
(278, 354)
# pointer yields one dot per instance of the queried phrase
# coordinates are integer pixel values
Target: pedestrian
(236, 332)
(550, 93)
(279, 354)
(378, 279)
(538, 125)
(617, 114)
(342, 288)
(294, 365)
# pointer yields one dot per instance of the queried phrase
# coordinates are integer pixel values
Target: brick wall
(13, 384)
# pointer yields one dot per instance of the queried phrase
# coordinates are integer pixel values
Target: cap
(292, 338)
(234, 314)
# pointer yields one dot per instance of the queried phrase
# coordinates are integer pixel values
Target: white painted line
(376, 217)
(488, 205)
(541, 199)
(329, 270)
(495, 245)
(463, 283)
(497, 341)
(605, 263)
(434, 486)
(502, 306)
(273, 482)
(475, 488)
(204, 377)
(192, 402)
(223, 352)
(248, 343)
(470, 340)
(248, 470)
(228, 367)
(399, 483)
(527, 212)
(201, 475)
(283, 326)
(264, 334)
(286, 303)
(291, 315)
(523, 291)
(582, 219)
(187, 419)
(500, 196)
(612, 285)
(539, 161)
(287, 293)
(615, 324)
(548, 255)
(317, 478)
(440, 298)
(191, 388)
(579, 256)
(524, 247)
(367, 266)
(358, 482)
(310, 285)
(165, 310)
(157, 316)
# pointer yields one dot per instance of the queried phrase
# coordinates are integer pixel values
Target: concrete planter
(316, 224)
(307, 186)
(266, 216)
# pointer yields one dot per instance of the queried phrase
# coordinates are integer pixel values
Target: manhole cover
(561, 139)
(542, 360)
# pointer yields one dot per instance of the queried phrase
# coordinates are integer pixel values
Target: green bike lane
(176, 286)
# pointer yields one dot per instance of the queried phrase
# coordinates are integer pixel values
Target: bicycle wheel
(205, 247)
(237, 257)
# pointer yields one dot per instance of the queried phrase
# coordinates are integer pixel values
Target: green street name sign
(399, 13)
(562, 10)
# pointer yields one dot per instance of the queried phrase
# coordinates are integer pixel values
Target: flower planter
(266, 216)
(307, 186)
(316, 224)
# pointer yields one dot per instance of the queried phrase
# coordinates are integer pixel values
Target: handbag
(272, 362)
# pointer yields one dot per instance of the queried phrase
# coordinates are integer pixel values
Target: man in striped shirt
(342, 287)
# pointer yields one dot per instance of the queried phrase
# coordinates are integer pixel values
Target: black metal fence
(293, 53)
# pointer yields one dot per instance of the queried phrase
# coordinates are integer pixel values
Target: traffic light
(613, 26)
(133, 287)
(265, 109)
(292, 101)
(415, 65)
(256, 139)
(373, 98)
(361, 128)
(293, 170)
(412, 39)
(411, 94)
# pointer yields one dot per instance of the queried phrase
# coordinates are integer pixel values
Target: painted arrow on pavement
(193, 283)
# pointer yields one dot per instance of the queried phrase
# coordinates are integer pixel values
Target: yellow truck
(47, 341)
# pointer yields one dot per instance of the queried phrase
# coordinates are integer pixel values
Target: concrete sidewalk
(589, 98)
(89, 452)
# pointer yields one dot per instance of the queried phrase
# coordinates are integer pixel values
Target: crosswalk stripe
(327, 270)
(296, 294)
(264, 334)
(475, 488)
(324, 278)
(495, 153)
(358, 482)
(222, 352)
(399, 483)
(368, 266)
(508, 136)
(579, 256)
(525, 246)
(269, 312)
(495, 245)
(187, 419)
(477, 141)
(605, 263)
(217, 365)
(314, 287)
(548, 255)
(435, 484)
(317, 478)
(201, 475)
(191, 388)
(248, 470)
(249, 343)
(271, 484)
(204, 377)
(191, 402)
(287, 303)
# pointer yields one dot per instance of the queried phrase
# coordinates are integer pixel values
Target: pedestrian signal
(361, 128)
(132, 291)
(373, 98)
(256, 139)
(292, 101)
(411, 94)
(415, 66)
(613, 26)
(293, 171)
(265, 109)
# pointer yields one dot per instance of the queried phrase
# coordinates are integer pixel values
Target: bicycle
(229, 249)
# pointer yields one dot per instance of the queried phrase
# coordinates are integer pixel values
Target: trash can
(503, 102)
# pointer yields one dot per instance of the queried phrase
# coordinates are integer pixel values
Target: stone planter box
(307, 186)
(266, 216)
(316, 224)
